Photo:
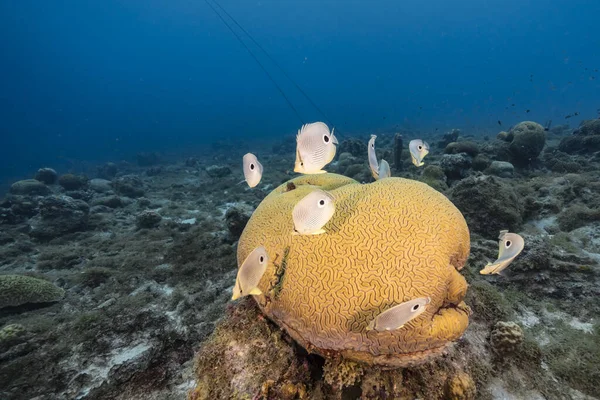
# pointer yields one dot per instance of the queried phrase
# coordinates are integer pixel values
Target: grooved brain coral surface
(388, 242)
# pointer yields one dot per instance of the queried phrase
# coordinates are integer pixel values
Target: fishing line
(257, 61)
(274, 62)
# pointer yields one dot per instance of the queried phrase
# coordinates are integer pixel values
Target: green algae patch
(488, 303)
(574, 356)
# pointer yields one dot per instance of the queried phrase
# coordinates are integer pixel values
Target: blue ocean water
(101, 80)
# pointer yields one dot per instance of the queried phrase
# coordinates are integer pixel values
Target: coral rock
(340, 373)
(59, 215)
(505, 136)
(72, 182)
(29, 187)
(455, 166)
(506, 338)
(503, 169)
(460, 387)
(325, 289)
(244, 358)
(585, 139)
(10, 335)
(528, 141)
(218, 171)
(471, 148)
(449, 137)
(481, 162)
(148, 220)
(46, 175)
(356, 147)
(488, 204)
(16, 290)
(108, 201)
(130, 186)
(100, 185)
(236, 218)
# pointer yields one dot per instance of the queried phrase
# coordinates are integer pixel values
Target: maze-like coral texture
(388, 242)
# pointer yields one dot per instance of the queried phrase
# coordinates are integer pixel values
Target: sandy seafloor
(145, 252)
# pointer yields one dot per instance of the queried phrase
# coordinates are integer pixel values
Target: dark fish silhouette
(499, 122)
(548, 124)
(527, 111)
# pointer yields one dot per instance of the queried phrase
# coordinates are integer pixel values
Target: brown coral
(460, 387)
(506, 338)
(388, 242)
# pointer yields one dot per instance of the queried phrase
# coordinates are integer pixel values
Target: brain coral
(388, 242)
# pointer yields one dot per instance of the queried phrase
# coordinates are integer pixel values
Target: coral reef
(325, 310)
(148, 219)
(455, 166)
(528, 140)
(100, 185)
(236, 218)
(340, 373)
(31, 187)
(244, 358)
(353, 167)
(72, 182)
(449, 137)
(46, 175)
(218, 171)
(16, 290)
(435, 177)
(10, 335)
(481, 162)
(356, 147)
(557, 161)
(470, 148)
(488, 204)
(506, 338)
(139, 303)
(129, 185)
(503, 169)
(460, 387)
(585, 139)
(59, 215)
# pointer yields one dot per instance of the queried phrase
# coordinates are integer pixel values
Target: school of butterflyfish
(315, 148)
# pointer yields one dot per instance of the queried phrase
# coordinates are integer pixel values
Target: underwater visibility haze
(225, 199)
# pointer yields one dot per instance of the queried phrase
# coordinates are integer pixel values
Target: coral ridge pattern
(388, 242)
